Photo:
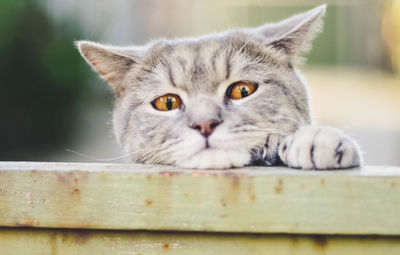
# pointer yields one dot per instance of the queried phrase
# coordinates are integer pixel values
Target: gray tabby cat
(222, 100)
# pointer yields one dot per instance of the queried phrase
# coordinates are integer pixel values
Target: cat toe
(319, 148)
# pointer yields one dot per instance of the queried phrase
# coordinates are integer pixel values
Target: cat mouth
(215, 158)
(205, 148)
(207, 145)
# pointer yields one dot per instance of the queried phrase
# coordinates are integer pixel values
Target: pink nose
(206, 127)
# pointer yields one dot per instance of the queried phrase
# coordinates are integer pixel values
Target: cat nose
(206, 127)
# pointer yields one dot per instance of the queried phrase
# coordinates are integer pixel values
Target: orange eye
(241, 90)
(167, 102)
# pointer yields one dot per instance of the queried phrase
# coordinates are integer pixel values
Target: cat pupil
(244, 92)
(169, 103)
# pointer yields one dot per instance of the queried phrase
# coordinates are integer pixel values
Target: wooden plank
(83, 242)
(253, 200)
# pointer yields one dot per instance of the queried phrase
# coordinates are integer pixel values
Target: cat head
(211, 101)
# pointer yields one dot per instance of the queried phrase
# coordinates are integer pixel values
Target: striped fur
(264, 128)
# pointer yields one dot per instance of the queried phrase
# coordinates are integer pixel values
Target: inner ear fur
(111, 63)
(295, 34)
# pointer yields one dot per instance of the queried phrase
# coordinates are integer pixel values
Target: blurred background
(51, 101)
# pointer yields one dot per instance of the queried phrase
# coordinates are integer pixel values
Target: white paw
(314, 147)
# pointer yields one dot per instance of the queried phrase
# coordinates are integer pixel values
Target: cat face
(208, 102)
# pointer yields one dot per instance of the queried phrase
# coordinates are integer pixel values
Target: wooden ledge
(249, 200)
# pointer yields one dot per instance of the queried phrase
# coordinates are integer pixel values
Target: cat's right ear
(111, 63)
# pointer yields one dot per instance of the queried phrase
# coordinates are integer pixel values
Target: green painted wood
(252, 200)
(83, 242)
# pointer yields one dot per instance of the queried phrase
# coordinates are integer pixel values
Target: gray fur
(200, 70)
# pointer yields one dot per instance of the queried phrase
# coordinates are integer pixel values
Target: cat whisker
(286, 118)
(103, 159)
(260, 130)
(156, 155)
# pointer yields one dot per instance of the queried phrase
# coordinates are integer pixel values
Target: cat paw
(314, 147)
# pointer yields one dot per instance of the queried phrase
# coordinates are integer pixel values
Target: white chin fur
(215, 159)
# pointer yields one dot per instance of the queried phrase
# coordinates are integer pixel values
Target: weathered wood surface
(252, 200)
(87, 242)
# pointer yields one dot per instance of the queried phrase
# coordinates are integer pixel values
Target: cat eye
(167, 102)
(241, 90)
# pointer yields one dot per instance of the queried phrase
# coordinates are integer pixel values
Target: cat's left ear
(111, 63)
(294, 35)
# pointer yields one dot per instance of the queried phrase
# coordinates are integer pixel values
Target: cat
(223, 100)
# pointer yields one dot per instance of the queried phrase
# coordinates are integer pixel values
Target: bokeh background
(51, 101)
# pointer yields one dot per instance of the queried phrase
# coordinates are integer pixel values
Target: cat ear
(294, 35)
(111, 63)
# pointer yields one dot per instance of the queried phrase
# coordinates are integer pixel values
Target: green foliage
(43, 81)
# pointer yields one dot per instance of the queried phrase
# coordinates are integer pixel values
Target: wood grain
(162, 198)
(83, 242)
